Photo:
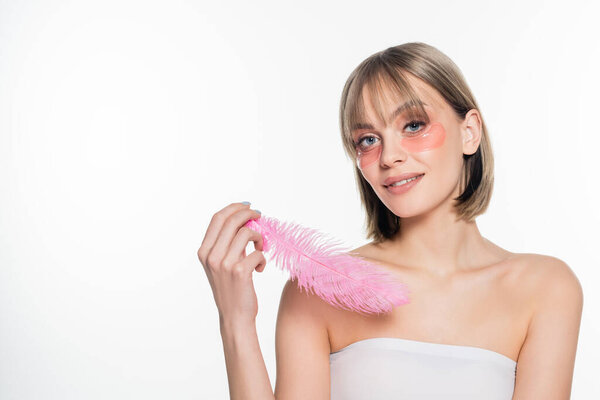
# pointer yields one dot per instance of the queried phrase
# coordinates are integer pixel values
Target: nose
(392, 151)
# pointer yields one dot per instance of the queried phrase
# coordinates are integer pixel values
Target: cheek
(432, 139)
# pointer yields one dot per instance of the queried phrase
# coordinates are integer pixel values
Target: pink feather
(320, 265)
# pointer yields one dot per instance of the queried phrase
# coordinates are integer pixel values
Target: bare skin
(470, 308)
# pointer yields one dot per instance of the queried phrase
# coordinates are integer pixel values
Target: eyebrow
(393, 116)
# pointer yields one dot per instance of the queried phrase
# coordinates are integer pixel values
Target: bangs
(384, 84)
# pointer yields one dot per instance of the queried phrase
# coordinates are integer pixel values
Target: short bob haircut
(390, 68)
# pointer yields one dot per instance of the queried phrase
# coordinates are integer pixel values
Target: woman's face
(433, 151)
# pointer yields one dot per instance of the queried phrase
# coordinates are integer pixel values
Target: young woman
(482, 322)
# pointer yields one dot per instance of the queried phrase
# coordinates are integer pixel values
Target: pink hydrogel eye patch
(366, 158)
(431, 138)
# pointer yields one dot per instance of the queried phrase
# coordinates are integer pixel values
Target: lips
(393, 179)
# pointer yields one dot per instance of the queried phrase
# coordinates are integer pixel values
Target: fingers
(255, 260)
(222, 229)
(238, 245)
(230, 228)
(215, 226)
(217, 221)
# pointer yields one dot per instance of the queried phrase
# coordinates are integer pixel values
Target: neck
(439, 243)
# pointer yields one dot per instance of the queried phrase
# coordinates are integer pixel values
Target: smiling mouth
(405, 181)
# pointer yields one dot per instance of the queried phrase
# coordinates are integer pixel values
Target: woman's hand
(229, 270)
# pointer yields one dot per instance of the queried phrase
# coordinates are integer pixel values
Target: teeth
(402, 182)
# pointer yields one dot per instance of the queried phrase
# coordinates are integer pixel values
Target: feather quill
(322, 266)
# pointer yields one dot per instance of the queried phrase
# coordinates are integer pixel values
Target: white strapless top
(394, 368)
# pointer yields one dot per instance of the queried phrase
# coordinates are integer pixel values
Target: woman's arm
(302, 344)
(229, 271)
(246, 371)
(547, 358)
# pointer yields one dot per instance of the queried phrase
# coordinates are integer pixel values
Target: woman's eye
(415, 125)
(367, 140)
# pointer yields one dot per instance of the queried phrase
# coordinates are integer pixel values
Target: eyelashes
(358, 144)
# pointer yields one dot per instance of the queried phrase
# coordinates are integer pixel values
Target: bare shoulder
(299, 306)
(547, 357)
(549, 276)
(547, 285)
(559, 283)
(298, 301)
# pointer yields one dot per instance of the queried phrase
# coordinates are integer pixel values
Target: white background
(124, 125)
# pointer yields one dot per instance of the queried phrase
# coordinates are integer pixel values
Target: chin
(406, 211)
(408, 214)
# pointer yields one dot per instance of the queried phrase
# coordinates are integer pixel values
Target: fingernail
(258, 211)
(245, 203)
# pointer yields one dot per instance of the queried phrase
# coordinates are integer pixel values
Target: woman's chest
(486, 310)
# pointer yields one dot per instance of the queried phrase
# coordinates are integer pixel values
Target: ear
(471, 132)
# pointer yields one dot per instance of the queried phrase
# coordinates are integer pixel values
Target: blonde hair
(390, 67)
